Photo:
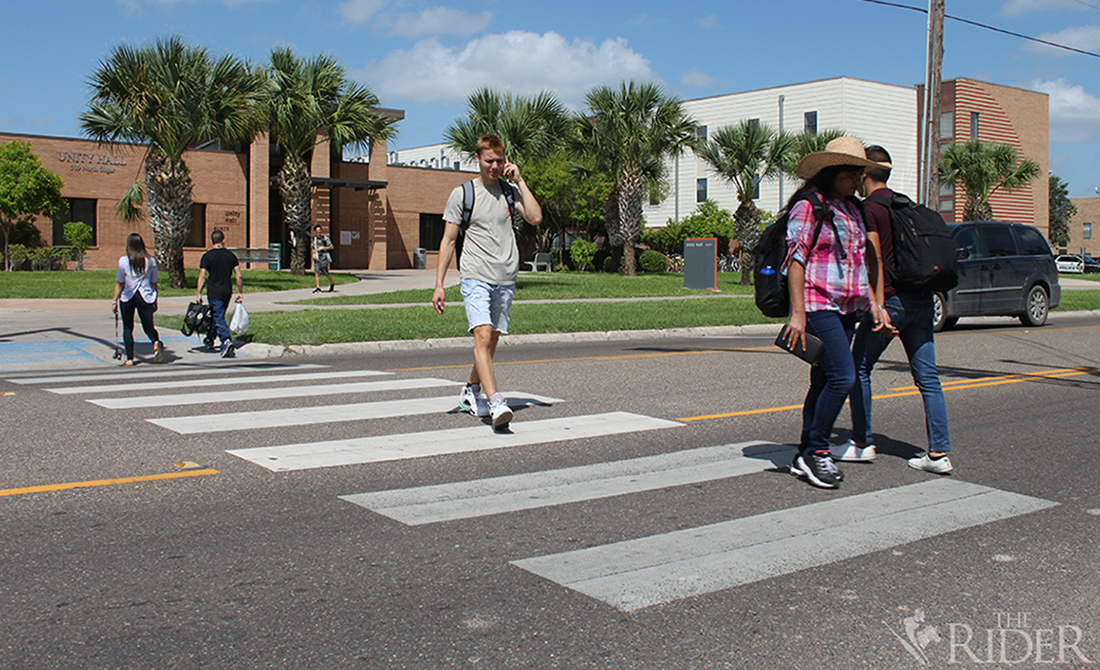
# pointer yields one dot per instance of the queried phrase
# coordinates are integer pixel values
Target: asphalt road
(638, 515)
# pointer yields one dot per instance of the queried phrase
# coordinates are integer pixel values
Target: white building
(433, 156)
(882, 114)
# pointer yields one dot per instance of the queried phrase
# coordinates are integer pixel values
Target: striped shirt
(835, 281)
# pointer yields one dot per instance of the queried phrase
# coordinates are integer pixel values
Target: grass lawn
(99, 284)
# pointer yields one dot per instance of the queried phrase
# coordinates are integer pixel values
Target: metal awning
(357, 184)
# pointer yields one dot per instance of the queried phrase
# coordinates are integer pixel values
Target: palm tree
(169, 96)
(313, 101)
(628, 133)
(981, 168)
(807, 142)
(531, 128)
(745, 155)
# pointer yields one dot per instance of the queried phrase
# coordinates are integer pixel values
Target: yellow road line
(107, 482)
(912, 390)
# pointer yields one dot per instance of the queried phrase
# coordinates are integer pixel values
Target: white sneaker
(850, 451)
(939, 466)
(473, 401)
(500, 411)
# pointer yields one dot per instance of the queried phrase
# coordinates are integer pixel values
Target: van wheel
(1038, 307)
(940, 320)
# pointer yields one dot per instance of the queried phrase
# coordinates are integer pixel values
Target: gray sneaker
(939, 466)
(227, 350)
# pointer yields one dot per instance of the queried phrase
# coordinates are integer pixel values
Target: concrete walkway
(76, 334)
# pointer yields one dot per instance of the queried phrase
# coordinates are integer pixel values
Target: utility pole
(930, 188)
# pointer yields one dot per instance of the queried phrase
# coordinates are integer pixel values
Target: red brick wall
(1088, 211)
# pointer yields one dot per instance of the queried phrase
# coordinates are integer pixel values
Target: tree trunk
(631, 192)
(294, 189)
(168, 198)
(977, 211)
(747, 227)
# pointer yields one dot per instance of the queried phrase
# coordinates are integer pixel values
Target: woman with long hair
(827, 273)
(136, 291)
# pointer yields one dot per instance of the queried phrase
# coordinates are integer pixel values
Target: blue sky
(425, 57)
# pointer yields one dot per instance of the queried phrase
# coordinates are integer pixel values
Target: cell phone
(809, 353)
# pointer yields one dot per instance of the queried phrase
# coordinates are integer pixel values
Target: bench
(271, 256)
(541, 259)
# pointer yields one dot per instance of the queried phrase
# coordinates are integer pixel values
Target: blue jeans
(487, 304)
(831, 378)
(218, 306)
(911, 314)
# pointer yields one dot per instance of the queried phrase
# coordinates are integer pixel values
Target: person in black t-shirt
(220, 265)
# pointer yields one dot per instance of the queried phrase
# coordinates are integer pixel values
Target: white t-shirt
(133, 282)
(489, 251)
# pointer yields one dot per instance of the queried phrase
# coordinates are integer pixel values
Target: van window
(997, 241)
(966, 239)
(1030, 242)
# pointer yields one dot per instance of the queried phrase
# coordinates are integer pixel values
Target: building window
(947, 188)
(196, 232)
(701, 134)
(809, 122)
(1086, 231)
(80, 209)
(701, 190)
(947, 205)
(654, 197)
(974, 125)
(947, 125)
(755, 123)
(431, 231)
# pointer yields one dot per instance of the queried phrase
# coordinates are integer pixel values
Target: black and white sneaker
(227, 350)
(819, 469)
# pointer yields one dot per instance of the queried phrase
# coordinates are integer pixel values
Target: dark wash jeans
(145, 313)
(831, 378)
(218, 306)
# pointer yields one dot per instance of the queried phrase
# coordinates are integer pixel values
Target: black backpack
(198, 319)
(924, 253)
(468, 208)
(770, 284)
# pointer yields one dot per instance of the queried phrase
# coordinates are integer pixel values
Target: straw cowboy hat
(841, 151)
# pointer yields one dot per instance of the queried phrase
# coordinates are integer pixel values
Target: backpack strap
(509, 192)
(467, 204)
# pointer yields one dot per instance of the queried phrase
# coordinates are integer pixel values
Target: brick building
(1084, 227)
(376, 214)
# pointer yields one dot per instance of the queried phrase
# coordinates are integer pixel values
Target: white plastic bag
(239, 323)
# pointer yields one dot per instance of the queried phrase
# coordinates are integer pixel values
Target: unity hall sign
(84, 162)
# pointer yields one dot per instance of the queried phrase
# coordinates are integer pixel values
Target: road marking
(107, 482)
(653, 570)
(499, 495)
(220, 381)
(200, 397)
(177, 370)
(439, 442)
(300, 416)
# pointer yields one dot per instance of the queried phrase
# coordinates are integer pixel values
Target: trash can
(420, 258)
(277, 254)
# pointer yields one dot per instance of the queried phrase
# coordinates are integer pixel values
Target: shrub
(79, 235)
(17, 254)
(582, 252)
(652, 261)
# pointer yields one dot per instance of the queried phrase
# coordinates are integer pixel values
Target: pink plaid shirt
(833, 282)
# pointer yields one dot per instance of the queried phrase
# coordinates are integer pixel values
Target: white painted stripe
(220, 381)
(498, 495)
(300, 416)
(649, 571)
(178, 370)
(200, 397)
(452, 441)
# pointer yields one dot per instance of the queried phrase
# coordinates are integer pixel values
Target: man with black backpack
(482, 212)
(892, 220)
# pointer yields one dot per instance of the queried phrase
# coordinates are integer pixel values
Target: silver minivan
(1005, 269)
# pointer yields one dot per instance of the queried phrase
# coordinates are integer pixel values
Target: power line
(1082, 2)
(988, 27)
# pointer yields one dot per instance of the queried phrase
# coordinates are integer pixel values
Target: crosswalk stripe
(220, 381)
(649, 571)
(300, 416)
(498, 495)
(166, 371)
(201, 397)
(451, 441)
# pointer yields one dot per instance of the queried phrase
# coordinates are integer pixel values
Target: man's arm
(240, 283)
(446, 252)
(198, 287)
(529, 208)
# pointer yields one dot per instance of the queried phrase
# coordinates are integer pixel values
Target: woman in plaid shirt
(829, 291)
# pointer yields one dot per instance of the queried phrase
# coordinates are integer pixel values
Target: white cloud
(1074, 114)
(44, 120)
(441, 21)
(522, 62)
(639, 20)
(11, 121)
(1086, 38)
(1017, 7)
(697, 78)
(359, 11)
(710, 21)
